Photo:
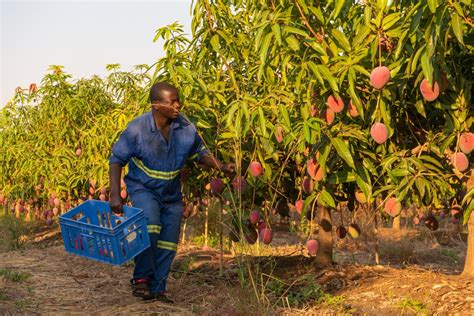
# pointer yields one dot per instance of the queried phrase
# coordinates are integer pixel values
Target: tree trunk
(469, 263)
(396, 223)
(376, 233)
(324, 256)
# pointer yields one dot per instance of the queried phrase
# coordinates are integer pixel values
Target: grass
(450, 254)
(303, 292)
(413, 305)
(242, 247)
(212, 240)
(14, 276)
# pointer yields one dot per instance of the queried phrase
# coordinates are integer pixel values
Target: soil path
(62, 283)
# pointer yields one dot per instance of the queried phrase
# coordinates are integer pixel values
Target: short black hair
(157, 88)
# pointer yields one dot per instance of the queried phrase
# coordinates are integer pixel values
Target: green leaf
(427, 67)
(341, 40)
(215, 43)
(363, 180)
(343, 176)
(277, 31)
(225, 37)
(468, 213)
(456, 24)
(307, 133)
(326, 199)
(447, 142)
(431, 160)
(185, 71)
(303, 6)
(203, 124)
(361, 70)
(293, 42)
(390, 20)
(261, 118)
(325, 149)
(338, 8)
(307, 202)
(420, 107)
(284, 114)
(397, 173)
(295, 30)
(367, 14)
(234, 106)
(315, 71)
(361, 36)
(385, 115)
(258, 37)
(317, 13)
(343, 151)
(420, 185)
(433, 4)
(324, 71)
(265, 46)
(381, 4)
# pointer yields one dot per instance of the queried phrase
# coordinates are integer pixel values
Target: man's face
(169, 105)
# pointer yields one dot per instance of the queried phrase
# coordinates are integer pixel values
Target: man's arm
(122, 151)
(210, 161)
(114, 178)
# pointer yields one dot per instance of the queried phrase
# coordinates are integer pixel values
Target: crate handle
(131, 237)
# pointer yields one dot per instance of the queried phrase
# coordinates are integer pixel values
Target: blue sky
(83, 36)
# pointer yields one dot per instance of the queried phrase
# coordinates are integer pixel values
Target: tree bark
(469, 263)
(376, 233)
(396, 223)
(324, 256)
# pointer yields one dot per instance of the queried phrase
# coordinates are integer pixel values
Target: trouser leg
(167, 245)
(144, 262)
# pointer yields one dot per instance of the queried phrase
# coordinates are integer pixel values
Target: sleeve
(198, 150)
(122, 150)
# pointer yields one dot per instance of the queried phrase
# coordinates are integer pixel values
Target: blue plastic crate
(91, 230)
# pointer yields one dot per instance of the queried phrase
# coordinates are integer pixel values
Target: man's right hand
(116, 203)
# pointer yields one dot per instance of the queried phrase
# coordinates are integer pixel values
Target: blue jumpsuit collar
(175, 124)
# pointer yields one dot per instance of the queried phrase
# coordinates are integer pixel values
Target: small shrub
(14, 232)
(306, 293)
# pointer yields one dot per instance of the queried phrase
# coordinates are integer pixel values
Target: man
(156, 146)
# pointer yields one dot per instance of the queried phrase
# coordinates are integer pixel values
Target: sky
(83, 36)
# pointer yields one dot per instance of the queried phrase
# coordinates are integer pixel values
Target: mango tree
(367, 98)
(57, 138)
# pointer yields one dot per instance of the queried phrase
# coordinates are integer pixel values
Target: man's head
(164, 99)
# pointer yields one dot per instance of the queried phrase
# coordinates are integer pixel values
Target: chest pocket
(153, 153)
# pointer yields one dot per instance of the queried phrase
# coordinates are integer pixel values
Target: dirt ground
(418, 276)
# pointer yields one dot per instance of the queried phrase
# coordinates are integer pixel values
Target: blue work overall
(153, 184)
